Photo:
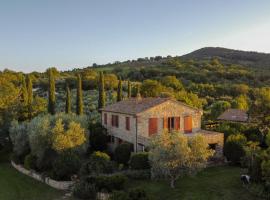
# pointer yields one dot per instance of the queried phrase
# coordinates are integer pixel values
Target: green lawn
(215, 183)
(15, 186)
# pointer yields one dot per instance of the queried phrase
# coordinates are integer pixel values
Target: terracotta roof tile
(234, 115)
(137, 105)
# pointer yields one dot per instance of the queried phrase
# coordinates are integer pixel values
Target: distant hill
(246, 58)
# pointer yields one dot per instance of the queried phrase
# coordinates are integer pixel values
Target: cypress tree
(101, 97)
(30, 95)
(129, 89)
(51, 93)
(68, 100)
(24, 93)
(79, 102)
(119, 90)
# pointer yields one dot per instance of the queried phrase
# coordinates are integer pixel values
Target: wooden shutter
(112, 120)
(165, 123)
(177, 123)
(117, 120)
(105, 118)
(153, 126)
(188, 124)
(127, 123)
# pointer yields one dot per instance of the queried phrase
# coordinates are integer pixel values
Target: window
(188, 124)
(171, 123)
(115, 120)
(105, 118)
(153, 126)
(127, 123)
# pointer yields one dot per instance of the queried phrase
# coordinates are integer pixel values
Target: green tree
(101, 97)
(68, 100)
(234, 147)
(119, 90)
(151, 88)
(173, 82)
(79, 102)
(30, 96)
(241, 102)
(51, 92)
(129, 89)
(174, 155)
(24, 93)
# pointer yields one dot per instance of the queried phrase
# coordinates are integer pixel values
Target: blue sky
(37, 34)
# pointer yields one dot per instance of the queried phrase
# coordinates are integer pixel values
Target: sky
(67, 34)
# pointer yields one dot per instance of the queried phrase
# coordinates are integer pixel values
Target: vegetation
(79, 101)
(174, 155)
(51, 92)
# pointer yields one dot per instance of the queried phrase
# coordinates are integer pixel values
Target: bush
(139, 161)
(133, 194)
(99, 163)
(137, 174)
(15, 158)
(98, 137)
(66, 165)
(234, 148)
(138, 194)
(30, 162)
(110, 183)
(85, 190)
(123, 152)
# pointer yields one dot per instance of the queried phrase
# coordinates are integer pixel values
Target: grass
(215, 183)
(16, 186)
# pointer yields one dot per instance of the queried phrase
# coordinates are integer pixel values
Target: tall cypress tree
(101, 97)
(29, 96)
(119, 90)
(68, 100)
(129, 89)
(51, 92)
(79, 102)
(24, 93)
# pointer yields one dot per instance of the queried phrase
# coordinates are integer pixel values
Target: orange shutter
(153, 126)
(165, 123)
(177, 123)
(188, 124)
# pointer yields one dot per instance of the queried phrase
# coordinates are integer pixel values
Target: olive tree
(174, 155)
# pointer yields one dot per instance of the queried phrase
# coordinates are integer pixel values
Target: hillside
(246, 58)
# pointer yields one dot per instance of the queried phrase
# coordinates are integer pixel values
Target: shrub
(85, 190)
(66, 165)
(98, 163)
(110, 183)
(138, 194)
(139, 161)
(123, 152)
(119, 195)
(133, 194)
(137, 174)
(234, 148)
(98, 137)
(15, 158)
(30, 162)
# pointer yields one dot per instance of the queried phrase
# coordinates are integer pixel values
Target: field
(216, 183)
(15, 186)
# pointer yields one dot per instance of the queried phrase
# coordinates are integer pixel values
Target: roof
(137, 105)
(234, 115)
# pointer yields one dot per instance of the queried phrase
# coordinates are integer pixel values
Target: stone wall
(168, 109)
(60, 185)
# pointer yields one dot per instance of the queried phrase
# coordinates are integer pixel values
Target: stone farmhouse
(135, 120)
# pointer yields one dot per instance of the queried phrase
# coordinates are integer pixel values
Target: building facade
(136, 120)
